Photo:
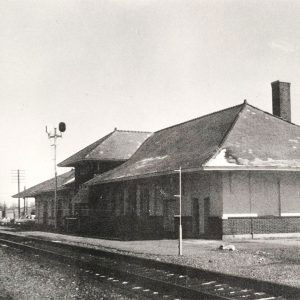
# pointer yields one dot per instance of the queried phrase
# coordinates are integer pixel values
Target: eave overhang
(195, 170)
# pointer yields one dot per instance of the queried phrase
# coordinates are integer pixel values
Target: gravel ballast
(34, 277)
(270, 260)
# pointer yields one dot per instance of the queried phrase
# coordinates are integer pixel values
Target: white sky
(138, 65)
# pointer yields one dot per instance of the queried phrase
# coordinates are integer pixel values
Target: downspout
(279, 197)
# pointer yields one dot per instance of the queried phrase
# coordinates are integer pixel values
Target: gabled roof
(63, 182)
(118, 145)
(240, 137)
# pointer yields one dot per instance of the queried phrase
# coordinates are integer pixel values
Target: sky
(135, 65)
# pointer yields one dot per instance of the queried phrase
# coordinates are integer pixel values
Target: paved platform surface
(275, 260)
(191, 247)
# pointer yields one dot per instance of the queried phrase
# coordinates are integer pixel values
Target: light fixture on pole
(180, 225)
(55, 136)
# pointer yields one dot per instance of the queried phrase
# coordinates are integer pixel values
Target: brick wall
(236, 226)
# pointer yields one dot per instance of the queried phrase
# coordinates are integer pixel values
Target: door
(132, 203)
(59, 212)
(206, 215)
(196, 217)
(45, 213)
(170, 210)
(204, 211)
(144, 202)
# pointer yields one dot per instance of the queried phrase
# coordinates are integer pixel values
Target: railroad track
(156, 279)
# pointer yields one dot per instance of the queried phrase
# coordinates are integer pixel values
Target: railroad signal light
(55, 136)
(62, 127)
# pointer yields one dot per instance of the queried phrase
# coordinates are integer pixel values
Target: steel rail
(221, 279)
(158, 284)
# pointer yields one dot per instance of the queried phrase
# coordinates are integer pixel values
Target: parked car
(24, 221)
(5, 221)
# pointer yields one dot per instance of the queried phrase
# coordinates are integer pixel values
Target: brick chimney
(281, 100)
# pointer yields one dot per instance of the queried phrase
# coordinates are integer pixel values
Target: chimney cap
(278, 81)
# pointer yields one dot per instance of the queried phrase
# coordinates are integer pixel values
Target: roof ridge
(227, 133)
(137, 131)
(268, 113)
(210, 114)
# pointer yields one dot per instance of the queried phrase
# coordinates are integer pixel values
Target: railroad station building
(240, 177)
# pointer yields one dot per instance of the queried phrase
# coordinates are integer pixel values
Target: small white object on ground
(228, 247)
(207, 283)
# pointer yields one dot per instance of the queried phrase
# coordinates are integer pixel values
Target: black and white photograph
(150, 149)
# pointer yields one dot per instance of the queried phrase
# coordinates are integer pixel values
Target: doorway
(170, 210)
(196, 215)
(204, 216)
(59, 212)
(45, 213)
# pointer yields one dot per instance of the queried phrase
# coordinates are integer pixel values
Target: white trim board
(251, 168)
(295, 214)
(253, 215)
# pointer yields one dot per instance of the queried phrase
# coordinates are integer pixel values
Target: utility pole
(24, 200)
(4, 209)
(180, 225)
(18, 175)
(54, 136)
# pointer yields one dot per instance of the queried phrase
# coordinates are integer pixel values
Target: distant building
(11, 213)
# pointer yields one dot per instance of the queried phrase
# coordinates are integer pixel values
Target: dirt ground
(276, 260)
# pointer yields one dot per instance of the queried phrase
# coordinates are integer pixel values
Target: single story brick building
(240, 169)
